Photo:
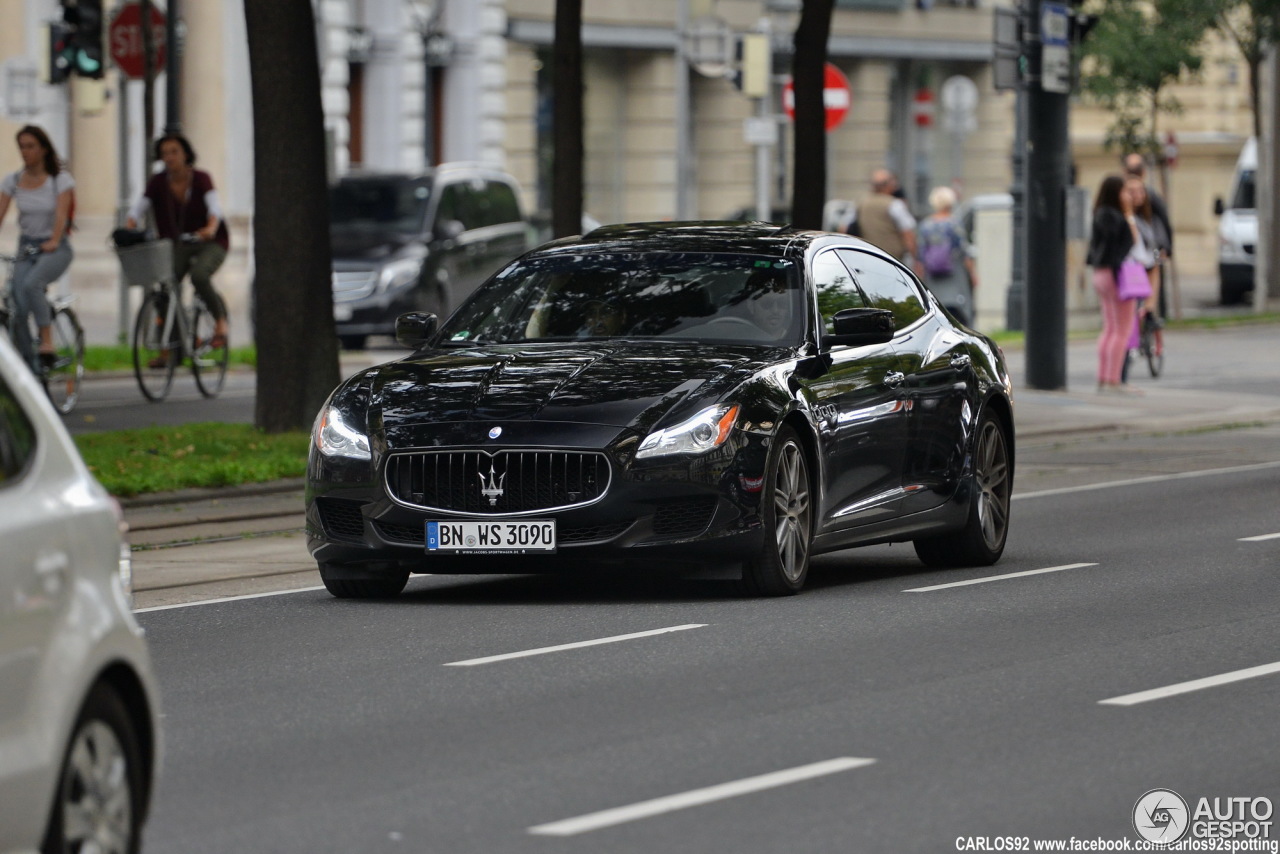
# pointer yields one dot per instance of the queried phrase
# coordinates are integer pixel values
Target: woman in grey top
(41, 190)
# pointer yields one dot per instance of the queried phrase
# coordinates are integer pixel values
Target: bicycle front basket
(147, 262)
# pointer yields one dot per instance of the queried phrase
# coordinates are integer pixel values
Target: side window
(503, 207)
(448, 207)
(17, 437)
(836, 289)
(886, 286)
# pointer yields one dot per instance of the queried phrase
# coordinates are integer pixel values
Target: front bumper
(703, 510)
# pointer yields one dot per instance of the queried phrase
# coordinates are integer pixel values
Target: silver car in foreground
(78, 717)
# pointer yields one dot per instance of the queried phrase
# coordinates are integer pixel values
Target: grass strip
(162, 459)
(119, 357)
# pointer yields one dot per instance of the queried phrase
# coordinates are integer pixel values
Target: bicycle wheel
(154, 357)
(62, 379)
(208, 363)
(1155, 358)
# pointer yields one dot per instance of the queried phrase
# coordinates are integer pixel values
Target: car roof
(751, 238)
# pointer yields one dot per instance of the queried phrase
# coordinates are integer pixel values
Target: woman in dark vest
(185, 208)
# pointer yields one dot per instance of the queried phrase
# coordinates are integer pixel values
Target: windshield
(397, 205)
(1244, 197)
(743, 299)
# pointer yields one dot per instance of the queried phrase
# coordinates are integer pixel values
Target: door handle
(960, 361)
(893, 379)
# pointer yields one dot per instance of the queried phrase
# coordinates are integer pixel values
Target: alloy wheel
(791, 511)
(993, 484)
(97, 801)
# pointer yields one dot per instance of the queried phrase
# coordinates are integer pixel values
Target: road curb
(185, 496)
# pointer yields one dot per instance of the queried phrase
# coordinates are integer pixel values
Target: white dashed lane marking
(1004, 577)
(507, 656)
(1193, 685)
(697, 797)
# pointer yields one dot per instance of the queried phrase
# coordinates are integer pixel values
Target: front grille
(415, 535)
(684, 516)
(341, 518)
(353, 284)
(501, 483)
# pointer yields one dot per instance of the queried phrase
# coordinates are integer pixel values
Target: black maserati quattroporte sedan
(668, 394)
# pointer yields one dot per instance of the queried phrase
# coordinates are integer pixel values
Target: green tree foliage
(1251, 25)
(1136, 50)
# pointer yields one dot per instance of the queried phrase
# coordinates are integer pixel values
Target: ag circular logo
(1161, 815)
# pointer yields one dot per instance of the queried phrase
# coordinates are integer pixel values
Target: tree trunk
(809, 191)
(1255, 93)
(293, 306)
(567, 116)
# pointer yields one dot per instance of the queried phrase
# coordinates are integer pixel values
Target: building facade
(406, 83)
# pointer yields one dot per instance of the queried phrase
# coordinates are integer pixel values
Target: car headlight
(335, 438)
(399, 274)
(704, 431)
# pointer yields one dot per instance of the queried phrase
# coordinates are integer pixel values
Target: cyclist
(42, 192)
(186, 211)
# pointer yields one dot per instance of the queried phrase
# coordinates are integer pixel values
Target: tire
(1155, 359)
(208, 363)
(100, 797)
(339, 582)
(981, 541)
(353, 342)
(787, 517)
(62, 380)
(149, 350)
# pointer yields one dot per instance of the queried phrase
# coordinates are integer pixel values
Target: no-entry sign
(125, 38)
(836, 97)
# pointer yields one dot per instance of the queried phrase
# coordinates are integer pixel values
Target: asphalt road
(883, 710)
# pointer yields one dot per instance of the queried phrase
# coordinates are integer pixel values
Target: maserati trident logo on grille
(495, 432)
(492, 490)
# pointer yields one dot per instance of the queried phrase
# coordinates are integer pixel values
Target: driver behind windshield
(769, 303)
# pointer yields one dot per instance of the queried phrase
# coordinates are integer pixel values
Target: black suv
(419, 242)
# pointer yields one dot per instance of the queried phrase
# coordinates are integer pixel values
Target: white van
(1238, 230)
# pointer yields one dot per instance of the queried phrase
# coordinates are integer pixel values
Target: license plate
(342, 313)
(528, 536)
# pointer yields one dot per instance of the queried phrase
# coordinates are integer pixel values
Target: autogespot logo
(1161, 816)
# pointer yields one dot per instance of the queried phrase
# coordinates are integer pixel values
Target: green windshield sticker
(461, 336)
(764, 263)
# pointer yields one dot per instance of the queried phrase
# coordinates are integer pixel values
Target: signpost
(125, 38)
(836, 97)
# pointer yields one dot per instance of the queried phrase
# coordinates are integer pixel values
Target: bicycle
(1150, 347)
(62, 376)
(166, 332)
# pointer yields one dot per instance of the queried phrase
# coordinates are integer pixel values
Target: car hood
(1239, 225)
(357, 244)
(612, 384)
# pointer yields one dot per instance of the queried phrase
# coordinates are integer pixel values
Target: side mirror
(448, 229)
(414, 329)
(1218, 207)
(856, 327)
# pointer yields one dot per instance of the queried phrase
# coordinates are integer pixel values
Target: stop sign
(836, 97)
(125, 38)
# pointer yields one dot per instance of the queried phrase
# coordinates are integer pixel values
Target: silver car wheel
(791, 511)
(993, 484)
(97, 802)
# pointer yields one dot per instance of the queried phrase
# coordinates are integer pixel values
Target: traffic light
(58, 67)
(89, 40)
(83, 46)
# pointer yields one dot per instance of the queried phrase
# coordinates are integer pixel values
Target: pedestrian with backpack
(42, 191)
(945, 257)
